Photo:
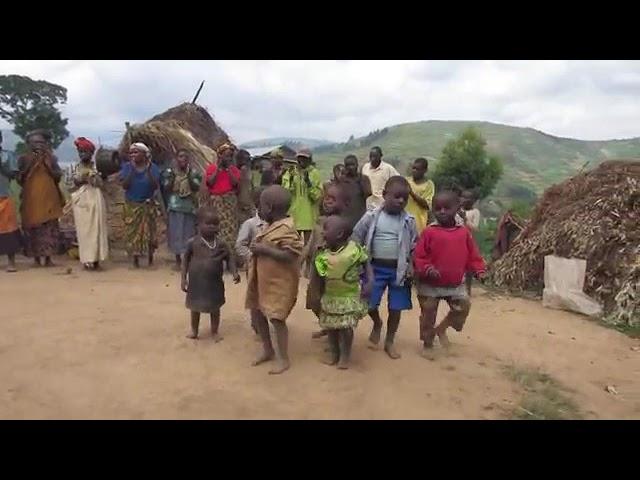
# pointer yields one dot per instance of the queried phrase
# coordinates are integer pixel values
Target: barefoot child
(202, 271)
(10, 239)
(389, 233)
(274, 273)
(340, 265)
(334, 202)
(445, 251)
(471, 218)
(248, 231)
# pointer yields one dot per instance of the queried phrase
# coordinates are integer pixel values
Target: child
(339, 265)
(181, 184)
(202, 271)
(421, 194)
(445, 251)
(334, 202)
(248, 231)
(10, 238)
(389, 233)
(471, 218)
(274, 274)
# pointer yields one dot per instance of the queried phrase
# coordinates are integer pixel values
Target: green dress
(341, 305)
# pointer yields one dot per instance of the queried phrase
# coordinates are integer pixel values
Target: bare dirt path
(112, 345)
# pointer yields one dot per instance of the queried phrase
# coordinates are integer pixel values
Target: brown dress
(205, 292)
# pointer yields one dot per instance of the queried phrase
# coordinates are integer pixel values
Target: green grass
(544, 398)
(532, 159)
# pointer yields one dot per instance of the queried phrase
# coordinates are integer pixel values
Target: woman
(222, 182)
(10, 240)
(41, 198)
(89, 208)
(181, 184)
(140, 178)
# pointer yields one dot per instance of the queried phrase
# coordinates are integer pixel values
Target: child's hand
(256, 248)
(366, 290)
(184, 285)
(432, 273)
(481, 276)
(236, 278)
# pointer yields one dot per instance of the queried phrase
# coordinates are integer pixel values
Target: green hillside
(532, 159)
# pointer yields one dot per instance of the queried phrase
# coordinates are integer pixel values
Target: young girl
(445, 251)
(10, 239)
(421, 194)
(202, 272)
(182, 183)
(342, 305)
(334, 202)
(471, 218)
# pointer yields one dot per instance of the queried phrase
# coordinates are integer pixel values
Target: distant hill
(66, 152)
(532, 160)
(291, 141)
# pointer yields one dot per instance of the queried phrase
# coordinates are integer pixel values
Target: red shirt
(223, 180)
(452, 251)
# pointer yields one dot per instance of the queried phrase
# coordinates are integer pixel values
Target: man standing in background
(378, 172)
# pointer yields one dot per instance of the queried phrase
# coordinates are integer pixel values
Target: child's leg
(48, 262)
(178, 261)
(346, 342)
(459, 310)
(282, 346)
(12, 263)
(334, 347)
(392, 327)
(150, 256)
(254, 320)
(428, 314)
(319, 334)
(262, 326)
(379, 286)
(195, 323)
(136, 261)
(468, 281)
(215, 324)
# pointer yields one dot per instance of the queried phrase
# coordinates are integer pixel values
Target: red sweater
(451, 251)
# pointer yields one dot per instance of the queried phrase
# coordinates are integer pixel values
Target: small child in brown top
(202, 271)
(274, 273)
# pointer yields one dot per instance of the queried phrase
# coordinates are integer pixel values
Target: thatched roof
(187, 126)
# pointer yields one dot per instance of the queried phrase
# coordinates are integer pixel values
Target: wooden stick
(197, 93)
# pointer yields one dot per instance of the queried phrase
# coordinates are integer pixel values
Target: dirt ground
(111, 345)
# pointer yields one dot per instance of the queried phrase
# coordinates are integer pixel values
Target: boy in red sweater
(444, 252)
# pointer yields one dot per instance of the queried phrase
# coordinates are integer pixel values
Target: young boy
(274, 273)
(389, 233)
(471, 218)
(421, 194)
(445, 251)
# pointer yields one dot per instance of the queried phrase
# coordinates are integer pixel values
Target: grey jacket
(363, 234)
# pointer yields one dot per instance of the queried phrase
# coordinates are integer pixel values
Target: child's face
(395, 199)
(445, 208)
(333, 203)
(338, 171)
(418, 170)
(351, 167)
(467, 199)
(209, 225)
(265, 210)
(333, 232)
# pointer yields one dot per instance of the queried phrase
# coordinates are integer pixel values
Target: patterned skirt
(43, 240)
(341, 312)
(140, 227)
(227, 207)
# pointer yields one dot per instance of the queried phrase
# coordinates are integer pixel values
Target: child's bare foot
(48, 262)
(343, 364)
(256, 337)
(265, 356)
(37, 262)
(136, 262)
(281, 366)
(427, 352)
(391, 351)
(444, 340)
(193, 336)
(331, 360)
(319, 334)
(11, 269)
(217, 337)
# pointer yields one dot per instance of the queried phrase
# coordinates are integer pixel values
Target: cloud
(334, 99)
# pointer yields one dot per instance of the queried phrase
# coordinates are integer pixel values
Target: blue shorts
(399, 297)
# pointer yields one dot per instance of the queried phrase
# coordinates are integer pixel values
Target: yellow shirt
(424, 190)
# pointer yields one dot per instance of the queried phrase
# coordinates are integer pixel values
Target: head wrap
(141, 146)
(83, 143)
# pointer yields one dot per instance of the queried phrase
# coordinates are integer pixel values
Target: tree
(466, 165)
(30, 104)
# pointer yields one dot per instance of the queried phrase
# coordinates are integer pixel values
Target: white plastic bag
(563, 283)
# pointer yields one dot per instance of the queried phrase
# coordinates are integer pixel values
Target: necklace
(209, 246)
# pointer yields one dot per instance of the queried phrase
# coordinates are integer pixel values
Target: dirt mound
(185, 126)
(594, 216)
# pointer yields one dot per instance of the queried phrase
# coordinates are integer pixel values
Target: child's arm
(472, 220)
(359, 234)
(368, 283)
(475, 262)
(422, 258)
(284, 256)
(244, 239)
(315, 185)
(186, 261)
(366, 186)
(233, 268)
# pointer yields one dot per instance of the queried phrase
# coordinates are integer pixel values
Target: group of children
(349, 268)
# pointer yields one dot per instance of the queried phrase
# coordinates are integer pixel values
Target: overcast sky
(331, 100)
